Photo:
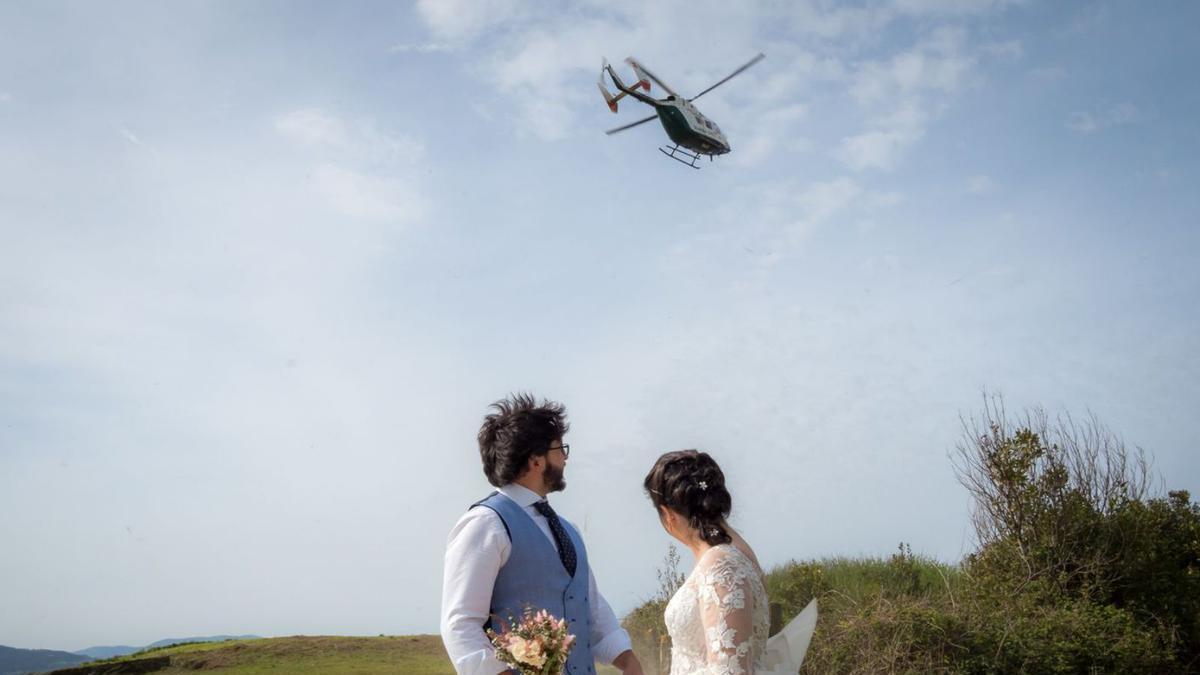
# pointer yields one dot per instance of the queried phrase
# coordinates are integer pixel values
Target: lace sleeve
(727, 611)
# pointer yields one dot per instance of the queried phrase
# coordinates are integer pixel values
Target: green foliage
(1080, 569)
(1159, 563)
(876, 615)
(1028, 635)
(1082, 563)
(794, 584)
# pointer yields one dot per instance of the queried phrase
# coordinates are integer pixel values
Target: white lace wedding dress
(719, 618)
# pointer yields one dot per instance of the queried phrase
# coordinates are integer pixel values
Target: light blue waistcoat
(534, 576)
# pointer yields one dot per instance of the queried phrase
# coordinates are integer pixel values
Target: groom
(511, 550)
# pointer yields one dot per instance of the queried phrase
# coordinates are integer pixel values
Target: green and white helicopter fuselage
(685, 125)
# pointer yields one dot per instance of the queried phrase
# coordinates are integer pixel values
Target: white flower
(518, 647)
(527, 651)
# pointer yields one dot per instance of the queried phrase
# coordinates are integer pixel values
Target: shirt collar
(523, 496)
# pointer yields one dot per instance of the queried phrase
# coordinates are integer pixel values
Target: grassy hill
(303, 655)
(113, 651)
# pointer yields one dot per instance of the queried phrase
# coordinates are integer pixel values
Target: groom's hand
(628, 663)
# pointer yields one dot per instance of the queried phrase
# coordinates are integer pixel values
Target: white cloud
(910, 73)
(951, 7)
(876, 149)
(370, 197)
(1048, 73)
(762, 225)
(1088, 122)
(536, 59)
(795, 112)
(463, 20)
(131, 137)
(883, 200)
(1011, 50)
(359, 141)
(1089, 18)
(838, 22)
(823, 200)
(980, 184)
(772, 127)
(312, 127)
(423, 48)
(359, 170)
(5, 97)
(796, 208)
(754, 150)
(903, 95)
(538, 73)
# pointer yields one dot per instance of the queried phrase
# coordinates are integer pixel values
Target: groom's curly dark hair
(519, 428)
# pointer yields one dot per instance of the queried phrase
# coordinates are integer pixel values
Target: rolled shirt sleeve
(477, 548)
(608, 639)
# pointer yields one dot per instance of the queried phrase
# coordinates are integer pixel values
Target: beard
(552, 478)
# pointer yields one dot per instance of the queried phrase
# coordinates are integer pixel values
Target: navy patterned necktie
(566, 550)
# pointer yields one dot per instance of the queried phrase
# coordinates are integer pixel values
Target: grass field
(313, 655)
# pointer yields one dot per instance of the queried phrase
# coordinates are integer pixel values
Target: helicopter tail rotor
(610, 98)
(645, 76)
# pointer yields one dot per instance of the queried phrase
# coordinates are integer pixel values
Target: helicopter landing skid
(675, 152)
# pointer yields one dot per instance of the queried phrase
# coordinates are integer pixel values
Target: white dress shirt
(477, 548)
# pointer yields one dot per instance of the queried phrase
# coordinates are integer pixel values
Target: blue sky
(264, 266)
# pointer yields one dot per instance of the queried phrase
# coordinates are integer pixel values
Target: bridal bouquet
(538, 645)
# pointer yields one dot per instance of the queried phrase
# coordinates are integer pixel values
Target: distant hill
(108, 652)
(15, 661)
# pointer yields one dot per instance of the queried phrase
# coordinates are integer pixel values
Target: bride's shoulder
(729, 560)
(725, 555)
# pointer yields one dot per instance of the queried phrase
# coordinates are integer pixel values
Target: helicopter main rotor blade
(610, 132)
(732, 75)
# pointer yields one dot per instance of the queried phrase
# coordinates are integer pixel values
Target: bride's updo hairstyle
(690, 483)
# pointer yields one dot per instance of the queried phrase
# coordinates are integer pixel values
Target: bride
(719, 618)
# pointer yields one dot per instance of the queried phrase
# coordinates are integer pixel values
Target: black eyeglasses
(566, 449)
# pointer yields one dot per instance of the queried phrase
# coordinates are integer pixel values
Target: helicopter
(692, 133)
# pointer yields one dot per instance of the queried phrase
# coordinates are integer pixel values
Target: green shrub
(1067, 524)
(794, 585)
(1079, 569)
(1025, 635)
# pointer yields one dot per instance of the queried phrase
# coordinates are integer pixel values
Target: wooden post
(776, 618)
